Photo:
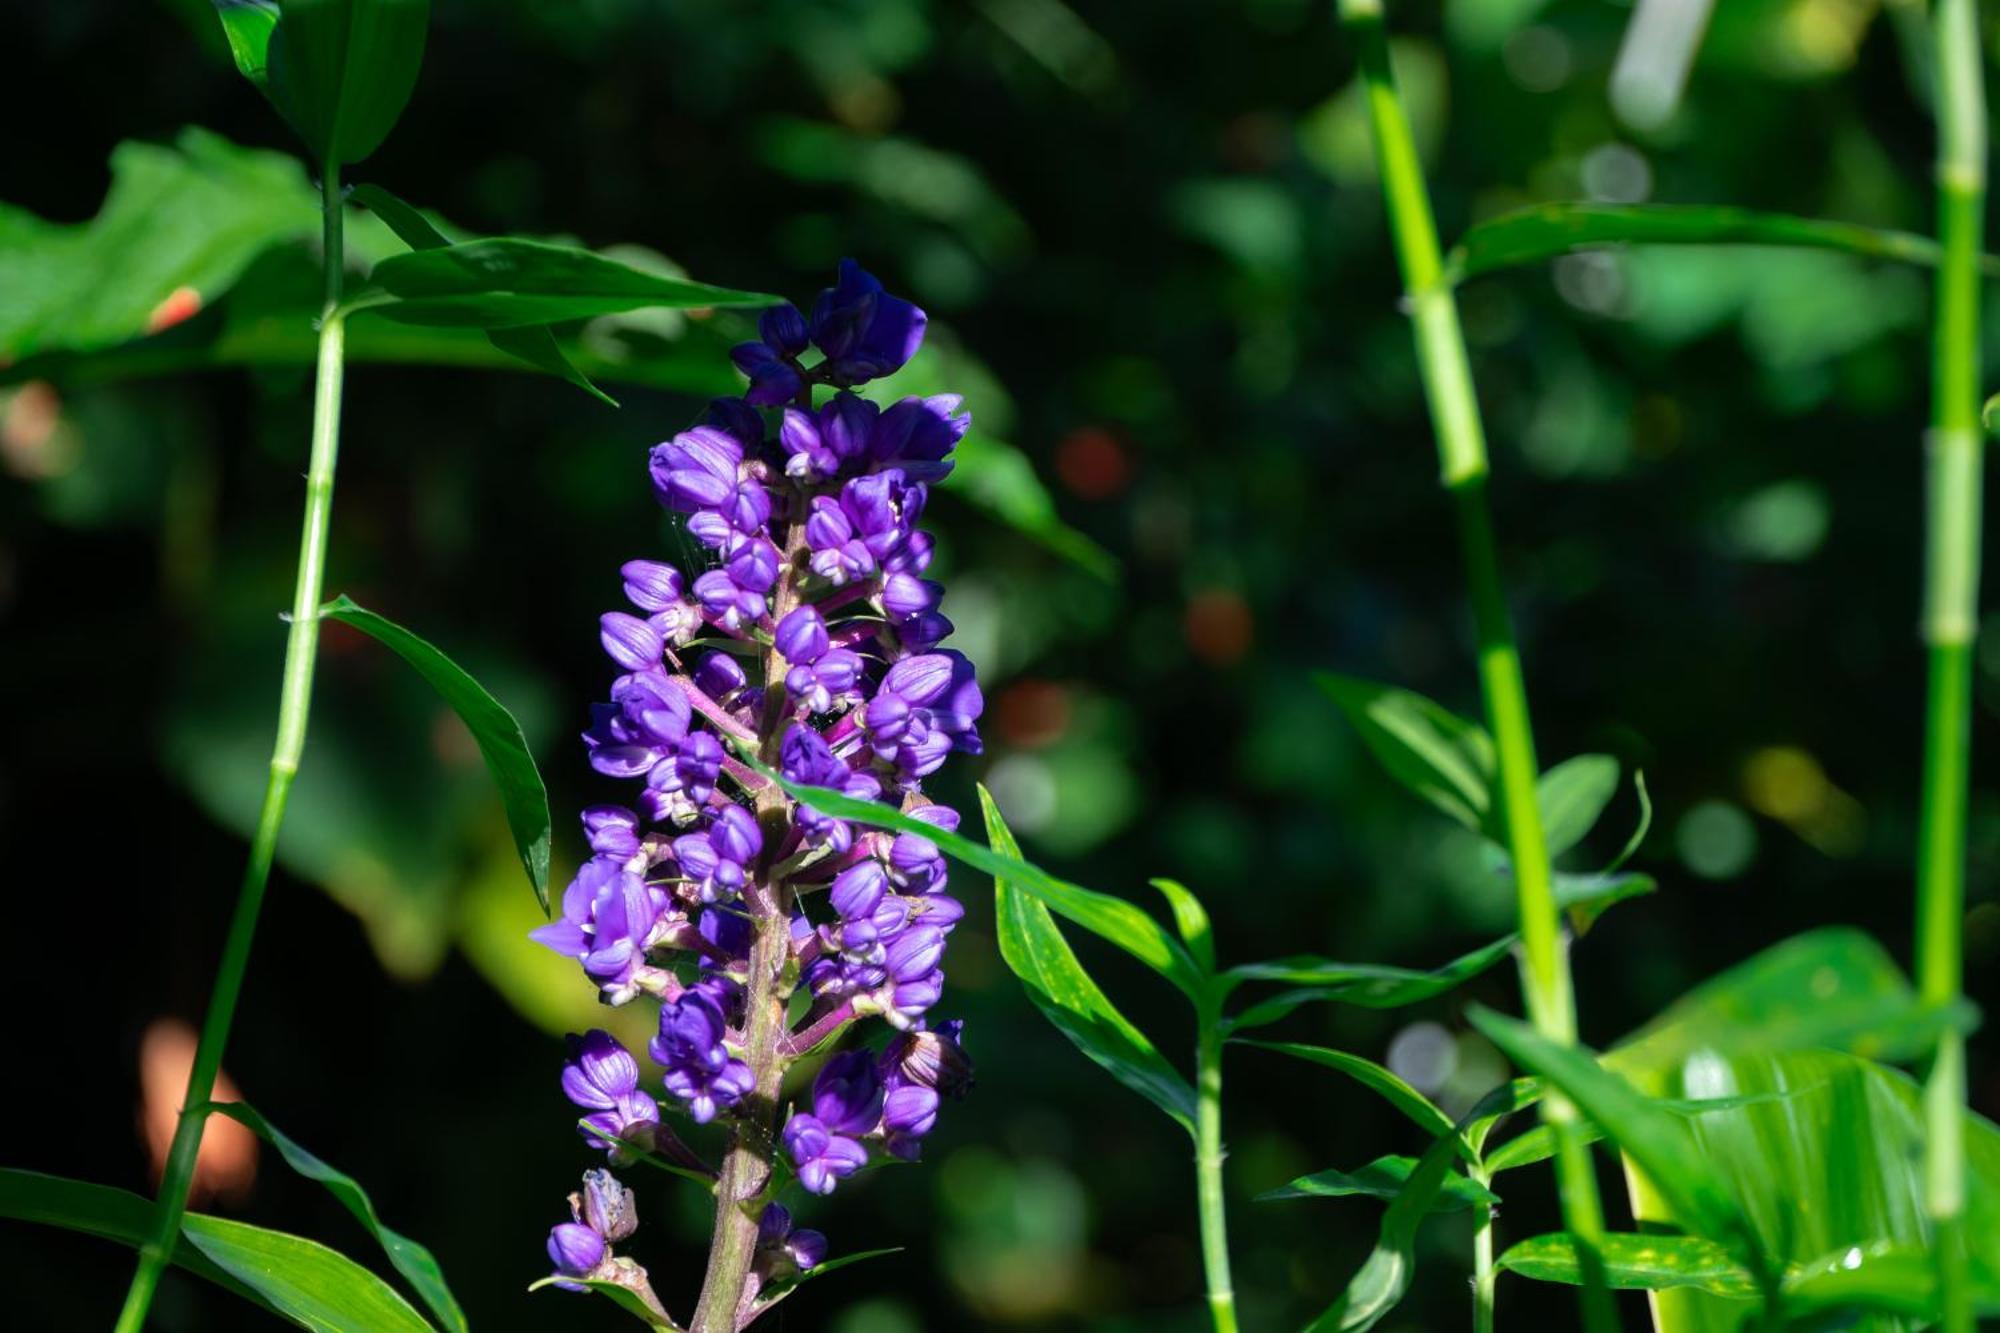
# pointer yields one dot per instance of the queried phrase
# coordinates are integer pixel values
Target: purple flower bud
(719, 675)
(696, 469)
(864, 332)
(802, 635)
(576, 1250)
(607, 1207)
(908, 1113)
(857, 891)
(773, 379)
(930, 1058)
(650, 585)
(699, 1069)
(905, 595)
(612, 829)
(632, 643)
(915, 953)
(783, 329)
(783, 1246)
(847, 1094)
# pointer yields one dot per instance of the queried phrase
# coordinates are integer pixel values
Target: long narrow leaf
(309, 1284)
(1383, 1178)
(1636, 1262)
(412, 1260)
(493, 728)
(1033, 946)
(1392, 1088)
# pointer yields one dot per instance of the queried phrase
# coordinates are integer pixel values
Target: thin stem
(1208, 1160)
(1483, 1272)
(1447, 377)
(1951, 614)
(294, 706)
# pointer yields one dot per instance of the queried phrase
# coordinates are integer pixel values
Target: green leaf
(304, 1281)
(1383, 1178)
(784, 1289)
(1113, 919)
(409, 1258)
(506, 282)
(1636, 1262)
(247, 25)
(498, 735)
(1834, 987)
(1572, 796)
(1191, 919)
(1393, 1088)
(1033, 946)
(625, 1297)
(1369, 985)
(342, 70)
(1660, 1143)
(1530, 235)
(1588, 897)
(1430, 750)
(1384, 1277)
(100, 1210)
(536, 346)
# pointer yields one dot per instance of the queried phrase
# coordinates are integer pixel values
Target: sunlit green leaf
(493, 728)
(1383, 1178)
(1572, 796)
(100, 1210)
(1430, 750)
(342, 70)
(1635, 1262)
(412, 1260)
(504, 282)
(247, 25)
(1033, 946)
(1191, 919)
(307, 1283)
(1543, 231)
(619, 1294)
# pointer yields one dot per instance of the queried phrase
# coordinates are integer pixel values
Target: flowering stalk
(1951, 611)
(715, 894)
(294, 706)
(1447, 377)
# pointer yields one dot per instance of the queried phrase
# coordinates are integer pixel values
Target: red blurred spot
(1218, 626)
(1034, 713)
(227, 1161)
(181, 303)
(1092, 463)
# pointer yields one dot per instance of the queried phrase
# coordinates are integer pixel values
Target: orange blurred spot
(227, 1163)
(1033, 713)
(181, 303)
(1218, 626)
(29, 444)
(1092, 463)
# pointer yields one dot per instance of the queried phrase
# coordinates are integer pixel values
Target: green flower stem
(1447, 377)
(1208, 1157)
(294, 705)
(1951, 619)
(1483, 1272)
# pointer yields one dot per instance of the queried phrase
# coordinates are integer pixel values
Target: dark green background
(1156, 225)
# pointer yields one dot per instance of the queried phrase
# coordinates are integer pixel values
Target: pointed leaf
(506, 282)
(1034, 948)
(307, 1283)
(1383, 1178)
(1636, 1262)
(1430, 750)
(409, 1258)
(1369, 985)
(100, 1210)
(1588, 897)
(342, 70)
(498, 735)
(620, 1295)
(1191, 919)
(1572, 797)
(1393, 1088)
(247, 25)
(1543, 231)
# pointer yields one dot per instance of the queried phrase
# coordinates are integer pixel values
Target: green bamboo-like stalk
(1208, 1155)
(294, 706)
(1951, 618)
(1447, 377)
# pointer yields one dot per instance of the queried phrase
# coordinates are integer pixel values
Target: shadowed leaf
(1431, 751)
(1393, 1089)
(1572, 796)
(341, 71)
(1383, 1178)
(307, 1283)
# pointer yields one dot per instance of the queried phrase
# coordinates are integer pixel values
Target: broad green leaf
(304, 1281)
(1113, 919)
(1653, 1137)
(1384, 1277)
(342, 70)
(1369, 985)
(505, 282)
(1543, 231)
(536, 346)
(1834, 987)
(1430, 750)
(498, 735)
(1572, 796)
(1191, 919)
(409, 1258)
(1033, 946)
(624, 1297)
(100, 1210)
(247, 25)
(1393, 1088)
(1636, 1262)
(1383, 1178)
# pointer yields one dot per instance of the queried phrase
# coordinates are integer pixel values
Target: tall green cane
(1447, 376)
(294, 704)
(1951, 618)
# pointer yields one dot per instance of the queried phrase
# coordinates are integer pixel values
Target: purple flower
(696, 469)
(847, 1103)
(601, 1076)
(700, 1070)
(650, 585)
(864, 332)
(576, 1251)
(718, 861)
(783, 1247)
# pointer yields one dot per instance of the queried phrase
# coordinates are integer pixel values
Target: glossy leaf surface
(307, 1283)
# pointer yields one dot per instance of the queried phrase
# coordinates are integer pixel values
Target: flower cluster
(808, 644)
